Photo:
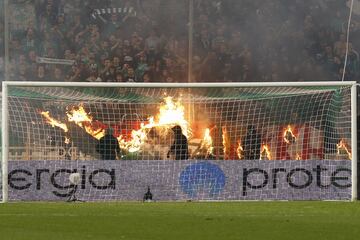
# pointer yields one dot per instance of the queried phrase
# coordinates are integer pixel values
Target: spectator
(93, 77)
(41, 74)
(57, 75)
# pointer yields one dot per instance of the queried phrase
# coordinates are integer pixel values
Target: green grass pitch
(185, 221)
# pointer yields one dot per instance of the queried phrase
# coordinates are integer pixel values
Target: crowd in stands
(147, 40)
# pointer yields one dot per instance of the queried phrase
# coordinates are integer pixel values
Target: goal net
(111, 142)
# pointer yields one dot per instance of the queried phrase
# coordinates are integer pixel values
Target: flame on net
(171, 113)
(289, 136)
(78, 115)
(240, 150)
(53, 122)
(84, 120)
(207, 143)
(138, 138)
(343, 148)
(265, 153)
(225, 142)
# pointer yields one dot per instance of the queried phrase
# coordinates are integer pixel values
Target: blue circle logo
(205, 178)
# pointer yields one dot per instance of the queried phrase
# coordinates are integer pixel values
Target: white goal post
(244, 141)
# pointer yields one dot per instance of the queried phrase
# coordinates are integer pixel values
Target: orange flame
(170, 114)
(240, 151)
(53, 122)
(207, 143)
(265, 153)
(80, 117)
(343, 148)
(67, 140)
(289, 136)
(225, 142)
(298, 157)
(206, 148)
(138, 138)
(173, 113)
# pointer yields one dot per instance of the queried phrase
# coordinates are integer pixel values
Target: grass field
(171, 221)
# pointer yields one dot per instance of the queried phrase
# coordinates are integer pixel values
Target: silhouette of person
(252, 144)
(180, 146)
(108, 146)
(148, 195)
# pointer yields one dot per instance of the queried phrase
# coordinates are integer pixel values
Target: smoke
(234, 40)
(286, 39)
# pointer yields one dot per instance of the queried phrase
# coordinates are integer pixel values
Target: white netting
(55, 131)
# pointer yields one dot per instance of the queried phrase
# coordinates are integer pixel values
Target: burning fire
(289, 136)
(298, 157)
(173, 113)
(138, 137)
(67, 140)
(53, 122)
(240, 151)
(343, 148)
(206, 149)
(170, 113)
(80, 117)
(265, 153)
(207, 143)
(225, 142)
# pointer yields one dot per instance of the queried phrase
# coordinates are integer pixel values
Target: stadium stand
(147, 41)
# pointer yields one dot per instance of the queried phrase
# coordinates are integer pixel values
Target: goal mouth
(261, 141)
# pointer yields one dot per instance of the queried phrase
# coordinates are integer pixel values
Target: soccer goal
(178, 142)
